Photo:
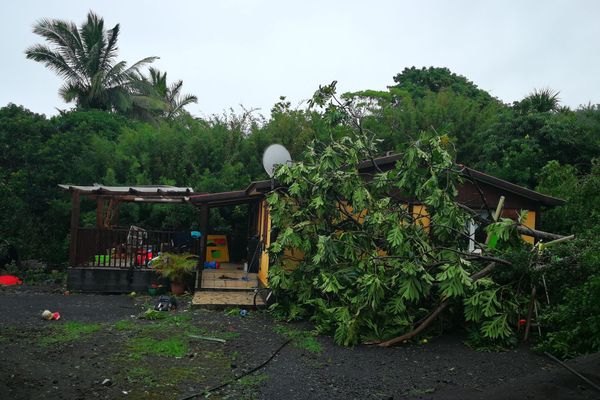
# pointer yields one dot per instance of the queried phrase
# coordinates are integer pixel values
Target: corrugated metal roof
(98, 188)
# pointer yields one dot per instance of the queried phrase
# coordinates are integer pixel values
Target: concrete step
(216, 299)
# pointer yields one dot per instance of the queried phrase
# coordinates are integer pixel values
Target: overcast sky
(251, 52)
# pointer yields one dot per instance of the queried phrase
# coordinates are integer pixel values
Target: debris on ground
(211, 339)
(49, 315)
(9, 280)
(166, 303)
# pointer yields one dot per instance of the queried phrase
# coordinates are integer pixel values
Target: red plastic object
(522, 322)
(143, 258)
(9, 280)
(55, 316)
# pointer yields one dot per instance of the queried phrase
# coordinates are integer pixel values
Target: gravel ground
(442, 369)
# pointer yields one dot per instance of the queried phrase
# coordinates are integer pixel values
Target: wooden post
(114, 222)
(75, 207)
(100, 212)
(204, 213)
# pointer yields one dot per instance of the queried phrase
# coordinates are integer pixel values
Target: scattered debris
(49, 315)
(211, 339)
(107, 382)
(243, 313)
(166, 303)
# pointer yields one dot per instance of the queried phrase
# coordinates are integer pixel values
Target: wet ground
(100, 348)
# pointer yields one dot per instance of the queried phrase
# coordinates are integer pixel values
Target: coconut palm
(86, 58)
(171, 95)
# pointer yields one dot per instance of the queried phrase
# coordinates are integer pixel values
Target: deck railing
(128, 247)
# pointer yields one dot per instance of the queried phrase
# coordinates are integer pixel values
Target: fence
(129, 247)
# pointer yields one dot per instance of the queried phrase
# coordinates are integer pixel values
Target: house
(108, 258)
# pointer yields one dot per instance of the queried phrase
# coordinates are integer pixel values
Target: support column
(100, 212)
(204, 213)
(75, 208)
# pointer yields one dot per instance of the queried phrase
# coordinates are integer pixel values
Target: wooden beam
(204, 214)
(75, 209)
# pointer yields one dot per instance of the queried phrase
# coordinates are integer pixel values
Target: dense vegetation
(129, 127)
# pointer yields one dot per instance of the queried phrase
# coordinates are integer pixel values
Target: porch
(118, 259)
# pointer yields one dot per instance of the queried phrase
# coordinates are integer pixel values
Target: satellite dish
(275, 155)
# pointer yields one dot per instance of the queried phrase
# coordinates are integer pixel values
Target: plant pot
(177, 288)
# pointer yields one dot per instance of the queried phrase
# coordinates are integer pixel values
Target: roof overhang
(388, 162)
(143, 193)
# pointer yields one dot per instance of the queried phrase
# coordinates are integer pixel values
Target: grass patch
(68, 332)
(301, 339)
(144, 346)
(252, 380)
(153, 315)
(124, 325)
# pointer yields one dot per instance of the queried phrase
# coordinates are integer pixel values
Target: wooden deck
(225, 298)
(227, 286)
(224, 279)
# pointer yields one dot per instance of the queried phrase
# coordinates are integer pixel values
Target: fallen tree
(371, 268)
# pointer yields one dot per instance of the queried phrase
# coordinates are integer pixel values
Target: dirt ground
(100, 348)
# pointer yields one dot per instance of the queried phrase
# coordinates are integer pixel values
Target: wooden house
(97, 264)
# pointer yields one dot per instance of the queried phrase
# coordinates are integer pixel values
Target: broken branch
(436, 313)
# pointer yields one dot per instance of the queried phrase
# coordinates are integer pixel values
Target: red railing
(128, 248)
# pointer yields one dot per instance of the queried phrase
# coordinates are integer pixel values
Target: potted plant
(175, 267)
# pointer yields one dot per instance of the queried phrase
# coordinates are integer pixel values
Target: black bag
(165, 303)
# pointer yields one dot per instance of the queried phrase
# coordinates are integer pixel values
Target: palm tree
(86, 58)
(171, 95)
(541, 101)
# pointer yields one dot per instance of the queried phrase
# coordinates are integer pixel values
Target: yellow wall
(264, 232)
(530, 223)
(292, 256)
(421, 216)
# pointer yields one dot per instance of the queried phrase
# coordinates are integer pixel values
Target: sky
(250, 52)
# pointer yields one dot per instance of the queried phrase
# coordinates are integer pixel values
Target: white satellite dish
(275, 155)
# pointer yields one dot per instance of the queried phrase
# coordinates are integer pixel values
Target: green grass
(301, 339)
(124, 325)
(252, 380)
(68, 332)
(144, 346)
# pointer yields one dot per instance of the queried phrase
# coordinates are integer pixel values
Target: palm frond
(52, 60)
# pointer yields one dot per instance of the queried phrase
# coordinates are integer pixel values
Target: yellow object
(530, 223)
(264, 233)
(217, 248)
(421, 216)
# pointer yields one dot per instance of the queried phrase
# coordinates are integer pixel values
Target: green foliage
(175, 267)
(581, 214)
(370, 270)
(574, 324)
(571, 276)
